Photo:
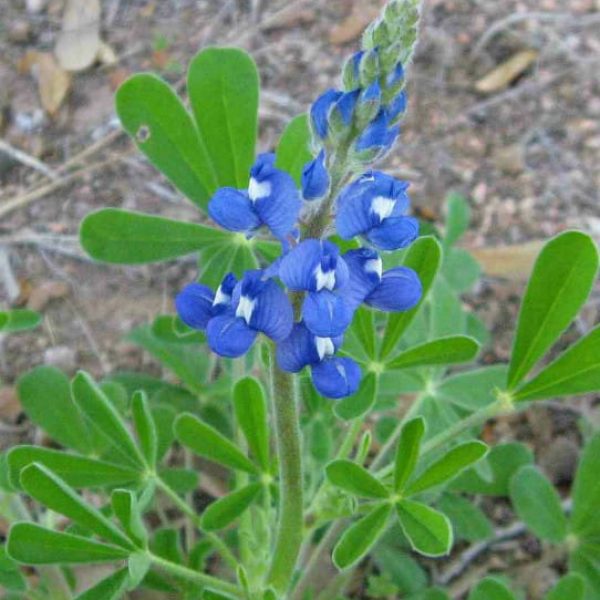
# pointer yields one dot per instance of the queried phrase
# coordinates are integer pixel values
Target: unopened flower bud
(315, 178)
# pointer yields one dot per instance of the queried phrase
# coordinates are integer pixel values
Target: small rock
(61, 357)
(559, 460)
(510, 159)
(19, 31)
(10, 407)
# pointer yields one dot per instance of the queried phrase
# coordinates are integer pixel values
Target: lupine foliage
(317, 283)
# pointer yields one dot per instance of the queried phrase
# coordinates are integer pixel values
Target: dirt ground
(526, 155)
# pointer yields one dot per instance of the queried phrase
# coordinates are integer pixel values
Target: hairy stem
(290, 526)
(186, 509)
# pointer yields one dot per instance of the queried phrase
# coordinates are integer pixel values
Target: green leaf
(444, 351)
(32, 544)
(458, 217)
(126, 509)
(491, 589)
(400, 568)
(102, 416)
(446, 313)
(428, 531)
(538, 505)
(164, 131)
(468, 521)
(407, 452)
(145, 427)
(584, 561)
(110, 588)
(206, 441)
(120, 236)
(19, 319)
(363, 327)
(449, 466)
(188, 362)
(561, 281)
(11, 577)
(504, 460)
(221, 513)
(251, 414)
(48, 489)
(424, 256)
(45, 395)
(358, 404)
(360, 537)
(460, 269)
(570, 587)
(138, 565)
(586, 490)
(354, 479)
(293, 150)
(166, 544)
(76, 470)
(223, 89)
(576, 371)
(181, 480)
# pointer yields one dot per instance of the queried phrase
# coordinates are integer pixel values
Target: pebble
(61, 357)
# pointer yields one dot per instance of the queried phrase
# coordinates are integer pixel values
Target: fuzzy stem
(290, 526)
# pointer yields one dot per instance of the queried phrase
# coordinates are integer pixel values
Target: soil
(525, 155)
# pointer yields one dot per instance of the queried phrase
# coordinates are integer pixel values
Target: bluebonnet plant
(305, 301)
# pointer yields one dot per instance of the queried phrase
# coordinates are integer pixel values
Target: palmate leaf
(355, 479)
(586, 490)
(360, 537)
(458, 217)
(571, 587)
(154, 116)
(127, 510)
(561, 281)
(468, 521)
(18, 319)
(111, 588)
(32, 544)
(11, 578)
(491, 589)
(225, 510)
(407, 451)
(538, 505)
(293, 150)
(145, 427)
(223, 88)
(444, 351)
(428, 531)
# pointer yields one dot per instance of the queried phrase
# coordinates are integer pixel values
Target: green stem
(195, 577)
(186, 509)
(290, 526)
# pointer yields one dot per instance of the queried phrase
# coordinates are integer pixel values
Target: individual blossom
(315, 178)
(397, 289)
(271, 199)
(375, 207)
(377, 137)
(320, 109)
(316, 267)
(197, 304)
(333, 376)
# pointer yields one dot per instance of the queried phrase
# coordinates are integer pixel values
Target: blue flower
(396, 76)
(396, 107)
(315, 178)
(271, 199)
(375, 206)
(319, 111)
(196, 304)
(258, 305)
(333, 377)
(346, 105)
(377, 135)
(396, 289)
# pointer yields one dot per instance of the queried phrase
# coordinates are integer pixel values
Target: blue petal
(326, 314)
(336, 377)
(315, 178)
(279, 210)
(194, 305)
(396, 75)
(364, 266)
(272, 313)
(400, 289)
(263, 165)
(222, 301)
(346, 104)
(396, 107)
(309, 267)
(352, 216)
(233, 210)
(394, 233)
(372, 93)
(297, 350)
(319, 112)
(229, 336)
(375, 135)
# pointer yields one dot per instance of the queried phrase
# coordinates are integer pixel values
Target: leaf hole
(143, 134)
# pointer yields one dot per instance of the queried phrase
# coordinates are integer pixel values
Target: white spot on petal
(221, 297)
(374, 265)
(382, 207)
(324, 279)
(257, 190)
(245, 308)
(324, 346)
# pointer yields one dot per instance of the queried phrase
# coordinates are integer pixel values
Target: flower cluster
(305, 301)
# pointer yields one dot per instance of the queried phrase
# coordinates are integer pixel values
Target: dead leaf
(78, 43)
(291, 16)
(10, 407)
(505, 73)
(106, 55)
(353, 25)
(53, 82)
(508, 262)
(42, 294)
